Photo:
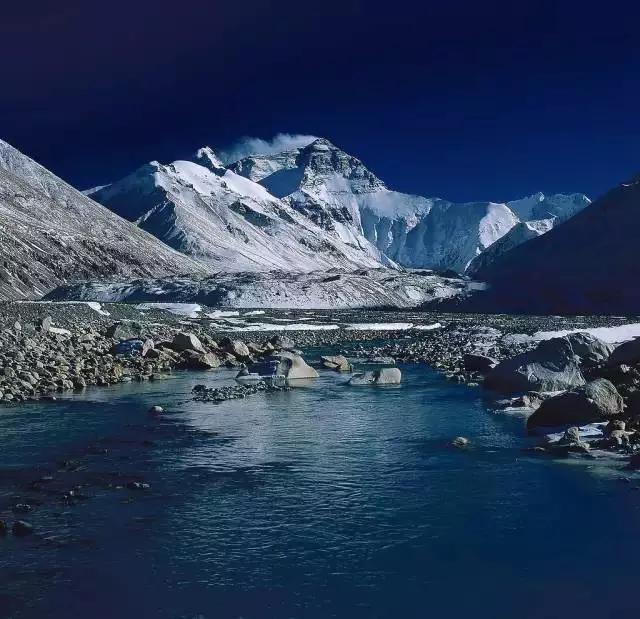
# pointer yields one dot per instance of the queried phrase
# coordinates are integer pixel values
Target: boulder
(339, 363)
(552, 366)
(590, 350)
(478, 363)
(571, 441)
(293, 366)
(124, 330)
(383, 376)
(627, 353)
(239, 349)
(596, 401)
(193, 360)
(45, 324)
(187, 341)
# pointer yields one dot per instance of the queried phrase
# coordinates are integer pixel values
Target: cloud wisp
(256, 146)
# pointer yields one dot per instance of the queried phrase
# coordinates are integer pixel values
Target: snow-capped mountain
(233, 223)
(339, 193)
(51, 234)
(311, 208)
(588, 264)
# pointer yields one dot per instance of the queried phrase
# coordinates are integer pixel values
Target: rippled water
(327, 501)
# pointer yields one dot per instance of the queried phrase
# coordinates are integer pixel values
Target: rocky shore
(565, 382)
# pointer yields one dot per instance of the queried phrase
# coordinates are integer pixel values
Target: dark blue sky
(462, 99)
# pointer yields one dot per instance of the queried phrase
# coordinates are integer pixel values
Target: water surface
(327, 501)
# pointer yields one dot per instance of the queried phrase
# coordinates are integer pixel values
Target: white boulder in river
(293, 366)
(383, 376)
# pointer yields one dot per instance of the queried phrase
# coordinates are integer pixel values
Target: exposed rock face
(383, 376)
(598, 400)
(51, 234)
(552, 366)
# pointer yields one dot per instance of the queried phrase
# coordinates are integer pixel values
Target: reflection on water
(323, 501)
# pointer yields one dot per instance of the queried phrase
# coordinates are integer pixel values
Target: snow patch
(188, 310)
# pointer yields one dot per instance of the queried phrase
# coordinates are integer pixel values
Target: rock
(193, 360)
(383, 376)
(123, 330)
(21, 528)
(138, 485)
(627, 353)
(478, 363)
(336, 362)
(187, 341)
(596, 401)
(571, 441)
(633, 404)
(132, 347)
(614, 424)
(591, 350)
(619, 438)
(293, 366)
(156, 410)
(552, 366)
(237, 348)
(282, 342)
(45, 324)
(147, 346)
(460, 442)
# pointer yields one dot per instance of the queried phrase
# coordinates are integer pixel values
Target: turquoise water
(326, 501)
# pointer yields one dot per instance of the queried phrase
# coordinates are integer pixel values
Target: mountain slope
(337, 192)
(51, 234)
(587, 264)
(234, 224)
(520, 233)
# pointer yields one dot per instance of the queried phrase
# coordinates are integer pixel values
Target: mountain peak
(208, 158)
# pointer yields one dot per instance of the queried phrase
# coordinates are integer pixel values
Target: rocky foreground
(576, 382)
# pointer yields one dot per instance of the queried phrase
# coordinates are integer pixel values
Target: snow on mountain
(51, 234)
(520, 233)
(539, 206)
(233, 223)
(587, 264)
(338, 193)
(372, 288)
